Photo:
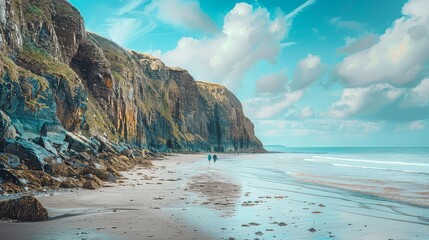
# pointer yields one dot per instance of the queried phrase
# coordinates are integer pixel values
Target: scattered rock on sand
(281, 224)
(90, 184)
(311, 230)
(70, 183)
(26, 208)
(254, 224)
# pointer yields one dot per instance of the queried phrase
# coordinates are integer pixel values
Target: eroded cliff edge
(55, 74)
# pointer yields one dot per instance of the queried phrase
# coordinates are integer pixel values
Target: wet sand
(184, 197)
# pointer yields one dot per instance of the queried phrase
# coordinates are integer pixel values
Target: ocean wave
(378, 168)
(371, 161)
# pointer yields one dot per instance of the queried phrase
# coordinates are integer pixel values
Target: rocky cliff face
(54, 74)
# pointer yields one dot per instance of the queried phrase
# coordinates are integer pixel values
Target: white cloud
(279, 94)
(273, 83)
(416, 8)
(306, 112)
(130, 6)
(383, 101)
(355, 45)
(249, 35)
(295, 113)
(307, 71)
(316, 127)
(398, 57)
(287, 44)
(350, 25)
(299, 9)
(124, 30)
(411, 126)
(183, 13)
(417, 96)
(267, 107)
(363, 100)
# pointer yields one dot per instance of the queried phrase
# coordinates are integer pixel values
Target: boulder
(10, 132)
(80, 143)
(46, 143)
(31, 154)
(54, 132)
(100, 173)
(70, 183)
(27, 209)
(106, 145)
(90, 184)
(5, 124)
(7, 176)
(11, 161)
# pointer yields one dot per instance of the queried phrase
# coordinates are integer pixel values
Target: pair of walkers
(214, 158)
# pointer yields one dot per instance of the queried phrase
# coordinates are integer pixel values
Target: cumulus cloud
(350, 25)
(355, 45)
(399, 55)
(267, 107)
(307, 71)
(124, 30)
(182, 13)
(364, 100)
(249, 35)
(273, 83)
(384, 102)
(279, 94)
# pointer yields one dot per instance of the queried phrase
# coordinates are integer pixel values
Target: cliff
(55, 75)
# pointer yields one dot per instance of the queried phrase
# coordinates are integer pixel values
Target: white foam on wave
(376, 168)
(369, 161)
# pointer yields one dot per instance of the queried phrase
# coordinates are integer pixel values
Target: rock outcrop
(67, 90)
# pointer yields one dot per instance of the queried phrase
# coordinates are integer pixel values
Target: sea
(320, 193)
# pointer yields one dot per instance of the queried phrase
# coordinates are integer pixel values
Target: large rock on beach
(26, 209)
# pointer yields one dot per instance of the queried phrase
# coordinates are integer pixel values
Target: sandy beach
(129, 209)
(183, 197)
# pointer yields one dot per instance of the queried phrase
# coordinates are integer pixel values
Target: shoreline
(182, 197)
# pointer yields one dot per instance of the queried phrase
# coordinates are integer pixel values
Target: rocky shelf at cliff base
(76, 108)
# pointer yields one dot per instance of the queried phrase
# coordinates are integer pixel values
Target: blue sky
(309, 73)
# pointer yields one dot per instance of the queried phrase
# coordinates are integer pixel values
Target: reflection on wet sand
(218, 191)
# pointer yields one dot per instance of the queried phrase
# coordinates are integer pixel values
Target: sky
(309, 73)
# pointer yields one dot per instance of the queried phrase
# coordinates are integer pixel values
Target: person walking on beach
(210, 158)
(214, 158)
